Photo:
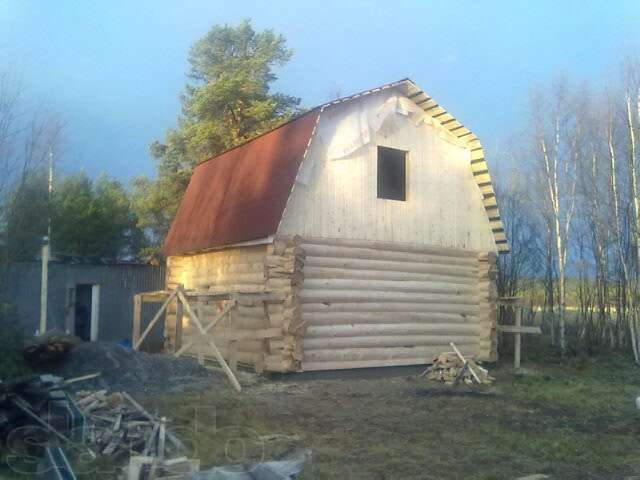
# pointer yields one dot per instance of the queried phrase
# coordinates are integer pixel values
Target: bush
(12, 338)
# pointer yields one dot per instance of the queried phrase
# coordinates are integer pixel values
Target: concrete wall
(117, 283)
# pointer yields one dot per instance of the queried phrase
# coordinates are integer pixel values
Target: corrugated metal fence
(118, 283)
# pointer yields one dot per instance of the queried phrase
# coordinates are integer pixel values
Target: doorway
(86, 311)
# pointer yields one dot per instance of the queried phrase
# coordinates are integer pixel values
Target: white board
(95, 311)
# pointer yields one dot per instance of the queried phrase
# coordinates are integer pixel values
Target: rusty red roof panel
(240, 195)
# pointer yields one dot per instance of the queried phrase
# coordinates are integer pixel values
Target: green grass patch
(571, 419)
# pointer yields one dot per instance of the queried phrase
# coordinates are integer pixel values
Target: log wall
(339, 303)
(487, 275)
(263, 334)
(370, 304)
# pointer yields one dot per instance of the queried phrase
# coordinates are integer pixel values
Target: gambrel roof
(240, 195)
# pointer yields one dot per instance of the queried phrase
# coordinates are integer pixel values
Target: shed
(89, 300)
(371, 219)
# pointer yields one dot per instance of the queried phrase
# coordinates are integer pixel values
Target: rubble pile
(136, 372)
(450, 369)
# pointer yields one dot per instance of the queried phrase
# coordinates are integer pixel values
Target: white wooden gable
(450, 198)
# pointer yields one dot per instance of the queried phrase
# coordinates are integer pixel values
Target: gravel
(133, 371)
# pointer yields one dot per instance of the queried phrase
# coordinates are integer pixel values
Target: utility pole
(46, 253)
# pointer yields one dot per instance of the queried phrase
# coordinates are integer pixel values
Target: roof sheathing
(479, 166)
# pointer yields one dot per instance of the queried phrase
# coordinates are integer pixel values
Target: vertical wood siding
(444, 205)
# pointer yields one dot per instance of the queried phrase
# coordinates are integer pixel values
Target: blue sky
(113, 70)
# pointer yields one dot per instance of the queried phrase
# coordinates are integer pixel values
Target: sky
(113, 70)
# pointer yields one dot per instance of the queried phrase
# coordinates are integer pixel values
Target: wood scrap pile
(452, 368)
(38, 401)
(119, 425)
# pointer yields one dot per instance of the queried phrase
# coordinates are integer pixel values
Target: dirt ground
(570, 419)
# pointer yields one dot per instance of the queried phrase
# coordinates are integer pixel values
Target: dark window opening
(392, 173)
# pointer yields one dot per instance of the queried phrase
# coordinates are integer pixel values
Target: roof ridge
(300, 115)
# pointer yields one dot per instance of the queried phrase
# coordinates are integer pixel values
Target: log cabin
(370, 221)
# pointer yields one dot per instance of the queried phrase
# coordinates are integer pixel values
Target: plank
(521, 329)
(178, 333)
(137, 315)
(172, 438)
(464, 361)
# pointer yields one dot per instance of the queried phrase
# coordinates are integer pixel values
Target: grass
(570, 419)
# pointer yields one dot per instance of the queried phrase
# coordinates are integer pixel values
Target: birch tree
(631, 78)
(593, 234)
(556, 136)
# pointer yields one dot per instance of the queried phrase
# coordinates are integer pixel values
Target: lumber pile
(119, 425)
(450, 369)
(101, 423)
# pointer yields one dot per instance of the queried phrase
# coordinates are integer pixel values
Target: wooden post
(517, 304)
(177, 343)
(233, 356)
(266, 342)
(44, 286)
(162, 438)
(137, 315)
(517, 339)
